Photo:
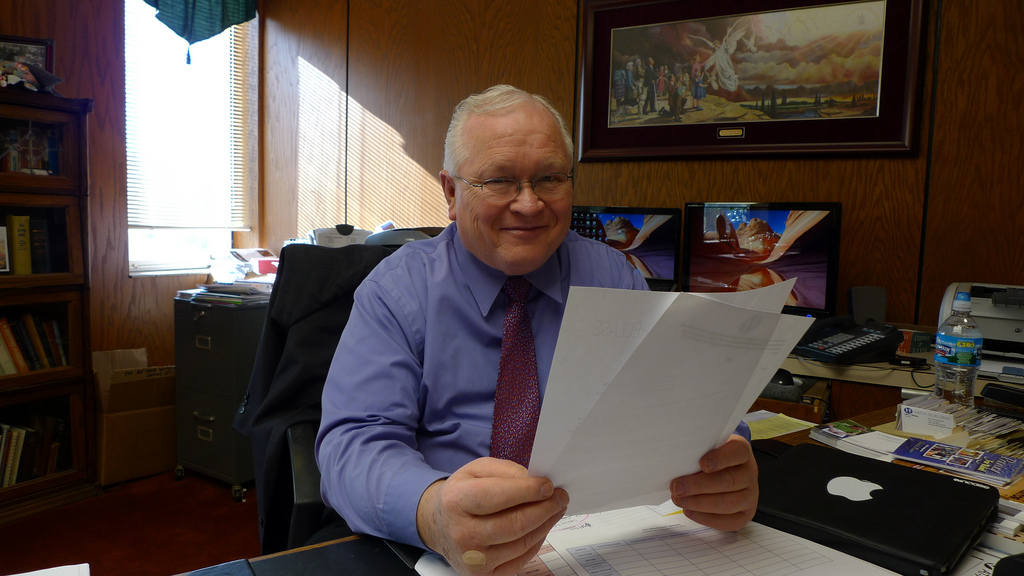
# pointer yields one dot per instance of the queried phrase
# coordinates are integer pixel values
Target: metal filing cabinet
(215, 350)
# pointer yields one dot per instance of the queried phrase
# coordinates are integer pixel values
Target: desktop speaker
(866, 303)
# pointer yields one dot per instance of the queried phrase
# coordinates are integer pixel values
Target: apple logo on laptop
(851, 488)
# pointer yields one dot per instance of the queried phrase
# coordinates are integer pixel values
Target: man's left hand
(723, 495)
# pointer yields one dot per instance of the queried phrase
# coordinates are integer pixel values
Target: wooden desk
(863, 388)
(355, 555)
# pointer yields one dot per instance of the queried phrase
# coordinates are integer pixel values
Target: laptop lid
(650, 238)
(910, 521)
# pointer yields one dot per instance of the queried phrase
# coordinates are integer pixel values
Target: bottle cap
(962, 301)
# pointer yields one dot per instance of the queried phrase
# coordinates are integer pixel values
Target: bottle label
(957, 351)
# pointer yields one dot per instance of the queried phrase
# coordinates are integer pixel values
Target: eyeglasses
(547, 187)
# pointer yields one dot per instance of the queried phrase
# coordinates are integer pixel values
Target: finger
(484, 496)
(513, 524)
(734, 452)
(523, 549)
(724, 522)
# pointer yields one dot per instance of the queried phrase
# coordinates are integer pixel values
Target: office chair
(308, 310)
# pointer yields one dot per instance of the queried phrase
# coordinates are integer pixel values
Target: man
(408, 405)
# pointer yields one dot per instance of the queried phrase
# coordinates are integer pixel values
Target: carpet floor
(155, 526)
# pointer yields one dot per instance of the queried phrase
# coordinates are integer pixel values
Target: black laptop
(911, 521)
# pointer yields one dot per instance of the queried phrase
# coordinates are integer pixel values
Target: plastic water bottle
(958, 353)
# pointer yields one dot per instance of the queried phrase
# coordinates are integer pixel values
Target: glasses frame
(519, 186)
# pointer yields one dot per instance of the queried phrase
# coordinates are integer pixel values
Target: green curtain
(197, 20)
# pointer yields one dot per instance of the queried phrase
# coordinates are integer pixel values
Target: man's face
(515, 236)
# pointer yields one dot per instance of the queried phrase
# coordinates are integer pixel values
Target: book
(53, 338)
(26, 463)
(19, 250)
(4, 261)
(29, 351)
(5, 437)
(832, 432)
(14, 455)
(6, 361)
(33, 336)
(11, 455)
(7, 333)
(988, 467)
(39, 245)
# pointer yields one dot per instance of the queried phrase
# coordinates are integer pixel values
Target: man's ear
(448, 187)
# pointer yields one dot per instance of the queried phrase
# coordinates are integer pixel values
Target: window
(191, 141)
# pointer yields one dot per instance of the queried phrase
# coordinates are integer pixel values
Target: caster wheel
(238, 493)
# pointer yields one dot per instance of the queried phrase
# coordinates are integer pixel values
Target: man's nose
(527, 201)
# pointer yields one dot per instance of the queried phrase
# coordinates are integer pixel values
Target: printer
(999, 311)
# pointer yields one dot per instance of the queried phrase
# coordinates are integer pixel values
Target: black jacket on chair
(309, 307)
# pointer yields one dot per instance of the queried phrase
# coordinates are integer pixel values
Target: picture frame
(843, 76)
(36, 51)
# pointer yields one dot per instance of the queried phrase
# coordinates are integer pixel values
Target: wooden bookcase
(44, 180)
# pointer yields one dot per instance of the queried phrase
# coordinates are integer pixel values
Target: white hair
(493, 99)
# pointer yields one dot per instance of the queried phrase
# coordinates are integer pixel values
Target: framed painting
(36, 51)
(680, 78)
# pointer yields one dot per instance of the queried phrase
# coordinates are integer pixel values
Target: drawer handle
(203, 342)
(202, 418)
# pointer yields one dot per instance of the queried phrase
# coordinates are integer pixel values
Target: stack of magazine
(988, 467)
(234, 294)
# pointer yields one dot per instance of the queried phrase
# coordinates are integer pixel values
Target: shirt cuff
(403, 499)
(743, 430)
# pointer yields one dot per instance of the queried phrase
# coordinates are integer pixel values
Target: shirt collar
(485, 282)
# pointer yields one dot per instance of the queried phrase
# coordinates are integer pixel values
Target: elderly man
(427, 421)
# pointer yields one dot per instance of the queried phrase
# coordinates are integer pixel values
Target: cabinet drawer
(206, 441)
(215, 348)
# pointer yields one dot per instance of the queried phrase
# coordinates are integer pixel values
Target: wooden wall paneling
(975, 207)
(303, 51)
(411, 63)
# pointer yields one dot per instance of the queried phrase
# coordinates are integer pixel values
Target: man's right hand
(489, 517)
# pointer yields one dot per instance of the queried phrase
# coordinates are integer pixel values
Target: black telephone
(839, 340)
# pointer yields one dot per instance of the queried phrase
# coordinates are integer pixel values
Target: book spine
(12, 345)
(26, 462)
(49, 328)
(14, 457)
(21, 335)
(37, 343)
(60, 343)
(6, 361)
(39, 245)
(5, 261)
(10, 460)
(5, 437)
(18, 244)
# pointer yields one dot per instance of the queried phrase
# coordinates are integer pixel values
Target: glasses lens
(501, 187)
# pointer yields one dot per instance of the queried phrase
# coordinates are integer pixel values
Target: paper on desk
(643, 384)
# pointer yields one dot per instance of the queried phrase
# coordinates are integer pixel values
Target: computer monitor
(734, 246)
(649, 237)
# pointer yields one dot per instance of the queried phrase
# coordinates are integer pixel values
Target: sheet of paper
(643, 384)
(657, 541)
(776, 426)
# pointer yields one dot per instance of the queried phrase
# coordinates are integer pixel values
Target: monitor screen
(734, 246)
(649, 237)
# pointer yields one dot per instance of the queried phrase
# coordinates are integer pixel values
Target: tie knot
(516, 288)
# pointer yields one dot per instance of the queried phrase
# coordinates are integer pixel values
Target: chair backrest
(308, 310)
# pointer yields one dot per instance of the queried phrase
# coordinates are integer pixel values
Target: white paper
(658, 541)
(643, 384)
(70, 570)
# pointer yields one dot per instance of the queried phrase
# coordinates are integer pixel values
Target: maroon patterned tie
(517, 399)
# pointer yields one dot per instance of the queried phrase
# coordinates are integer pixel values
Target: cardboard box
(135, 418)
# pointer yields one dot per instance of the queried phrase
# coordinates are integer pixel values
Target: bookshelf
(47, 422)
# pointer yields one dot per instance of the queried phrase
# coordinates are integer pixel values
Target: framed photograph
(37, 51)
(679, 78)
